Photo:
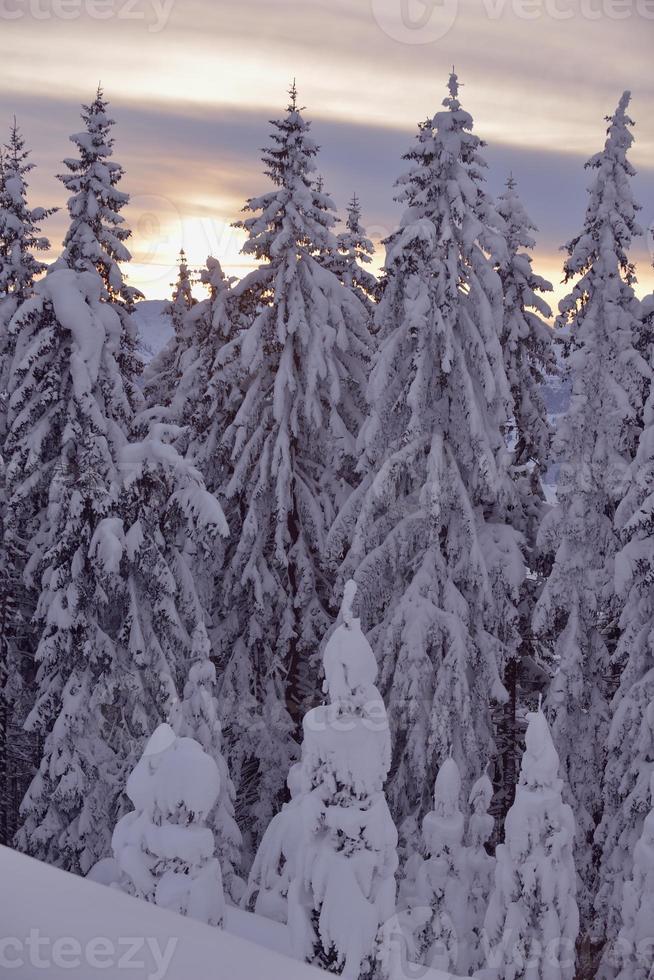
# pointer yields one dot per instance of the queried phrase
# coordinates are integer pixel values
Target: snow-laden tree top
(610, 222)
(97, 234)
(296, 211)
(19, 224)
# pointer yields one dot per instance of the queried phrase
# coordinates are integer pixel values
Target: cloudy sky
(193, 83)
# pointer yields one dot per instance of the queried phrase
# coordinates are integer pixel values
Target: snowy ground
(56, 925)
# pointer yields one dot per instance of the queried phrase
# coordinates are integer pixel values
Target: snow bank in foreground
(66, 927)
(57, 925)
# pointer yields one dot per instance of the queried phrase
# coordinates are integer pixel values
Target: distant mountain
(154, 326)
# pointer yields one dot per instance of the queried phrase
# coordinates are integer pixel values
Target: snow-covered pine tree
(164, 848)
(533, 921)
(97, 233)
(528, 346)
(20, 238)
(169, 526)
(439, 905)
(480, 870)
(291, 443)
(72, 395)
(355, 253)
(595, 444)
(182, 298)
(633, 952)
(630, 748)
(344, 891)
(20, 234)
(196, 716)
(68, 411)
(164, 383)
(438, 564)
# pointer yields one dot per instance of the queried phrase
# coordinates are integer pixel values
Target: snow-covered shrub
(163, 848)
(438, 907)
(532, 921)
(344, 891)
(275, 862)
(196, 716)
(633, 952)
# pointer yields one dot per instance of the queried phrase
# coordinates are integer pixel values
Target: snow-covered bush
(275, 862)
(480, 870)
(344, 889)
(633, 953)
(196, 716)
(533, 922)
(438, 907)
(163, 848)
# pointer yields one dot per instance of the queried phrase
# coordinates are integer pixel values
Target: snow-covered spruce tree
(168, 526)
(68, 412)
(274, 866)
(595, 444)
(528, 346)
(344, 892)
(355, 252)
(163, 848)
(164, 385)
(291, 442)
(196, 716)
(182, 298)
(633, 952)
(438, 564)
(480, 870)
(20, 238)
(20, 234)
(439, 906)
(630, 749)
(97, 233)
(533, 921)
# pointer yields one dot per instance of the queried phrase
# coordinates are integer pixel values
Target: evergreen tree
(595, 444)
(438, 564)
(633, 953)
(164, 382)
(355, 252)
(441, 899)
(344, 891)
(20, 238)
(532, 921)
(527, 343)
(68, 412)
(72, 395)
(275, 863)
(291, 441)
(20, 235)
(196, 716)
(480, 870)
(96, 237)
(163, 848)
(182, 299)
(630, 748)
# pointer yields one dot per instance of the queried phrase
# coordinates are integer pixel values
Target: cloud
(190, 167)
